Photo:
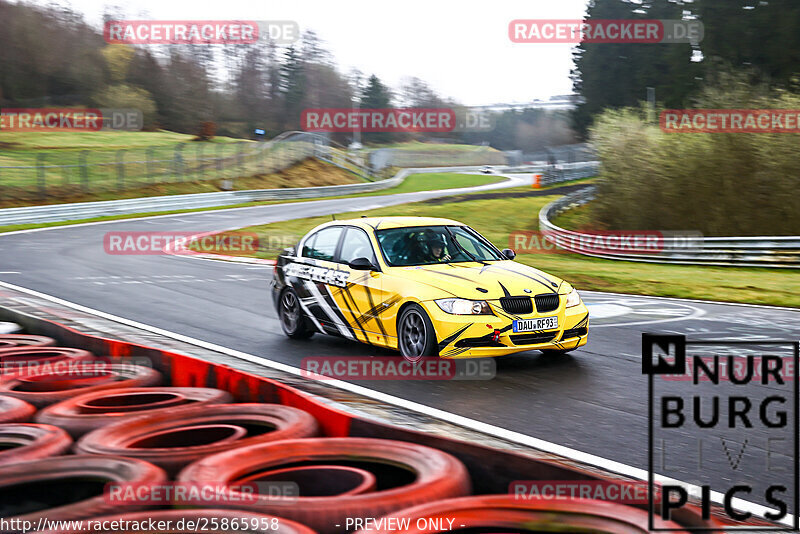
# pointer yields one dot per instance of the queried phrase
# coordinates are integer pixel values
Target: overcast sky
(461, 48)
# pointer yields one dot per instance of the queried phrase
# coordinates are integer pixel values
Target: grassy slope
(497, 218)
(21, 148)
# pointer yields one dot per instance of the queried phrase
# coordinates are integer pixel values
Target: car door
(317, 275)
(362, 300)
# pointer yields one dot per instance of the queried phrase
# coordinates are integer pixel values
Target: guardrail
(90, 210)
(556, 173)
(763, 251)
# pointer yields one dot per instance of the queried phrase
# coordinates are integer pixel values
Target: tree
(121, 96)
(614, 75)
(747, 34)
(293, 88)
(375, 95)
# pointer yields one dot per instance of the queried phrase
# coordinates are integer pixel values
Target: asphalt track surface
(593, 400)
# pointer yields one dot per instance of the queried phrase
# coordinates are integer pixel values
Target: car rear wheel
(417, 338)
(293, 321)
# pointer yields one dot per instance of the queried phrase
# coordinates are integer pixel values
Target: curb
(179, 249)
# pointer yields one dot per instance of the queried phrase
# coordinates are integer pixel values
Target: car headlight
(464, 306)
(573, 299)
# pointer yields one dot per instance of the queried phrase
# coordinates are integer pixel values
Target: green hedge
(716, 183)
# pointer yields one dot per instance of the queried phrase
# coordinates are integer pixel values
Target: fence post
(239, 159)
(84, 170)
(40, 161)
(199, 157)
(149, 156)
(263, 154)
(177, 162)
(121, 169)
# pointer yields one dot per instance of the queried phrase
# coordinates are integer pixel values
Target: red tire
(45, 388)
(505, 513)
(10, 341)
(22, 442)
(320, 480)
(174, 442)
(407, 473)
(69, 487)
(85, 413)
(15, 411)
(264, 524)
(25, 361)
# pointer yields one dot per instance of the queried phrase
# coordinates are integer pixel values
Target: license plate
(532, 325)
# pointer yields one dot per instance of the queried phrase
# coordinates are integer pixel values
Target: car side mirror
(510, 254)
(362, 264)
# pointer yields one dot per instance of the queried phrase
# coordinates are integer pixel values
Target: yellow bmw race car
(423, 286)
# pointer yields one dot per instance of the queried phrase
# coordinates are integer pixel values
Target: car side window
(322, 245)
(308, 246)
(356, 244)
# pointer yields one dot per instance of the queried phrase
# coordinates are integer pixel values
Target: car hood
(498, 279)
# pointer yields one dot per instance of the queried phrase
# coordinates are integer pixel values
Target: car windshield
(428, 245)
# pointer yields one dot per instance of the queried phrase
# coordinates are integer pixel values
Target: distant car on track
(487, 170)
(423, 286)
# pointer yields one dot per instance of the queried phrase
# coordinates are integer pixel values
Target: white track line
(696, 301)
(479, 426)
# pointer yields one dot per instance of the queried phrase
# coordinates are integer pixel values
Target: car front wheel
(417, 338)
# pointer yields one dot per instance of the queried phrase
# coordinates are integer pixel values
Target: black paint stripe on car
(453, 337)
(545, 283)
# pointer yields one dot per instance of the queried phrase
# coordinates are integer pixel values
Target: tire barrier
(69, 487)
(172, 443)
(214, 521)
(49, 387)
(30, 360)
(407, 474)
(10, 341)
(325, 481)
(22, 442)
(504, 513)
(85, 413)
(320, 480)
(13, 410)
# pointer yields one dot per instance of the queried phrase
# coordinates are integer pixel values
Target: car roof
(382, 223)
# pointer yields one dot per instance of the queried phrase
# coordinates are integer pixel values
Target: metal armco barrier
(764, 251)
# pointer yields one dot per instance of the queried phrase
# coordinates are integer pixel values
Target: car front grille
(547, 302)
(532, 339)
(575, 332)
(518, 305)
